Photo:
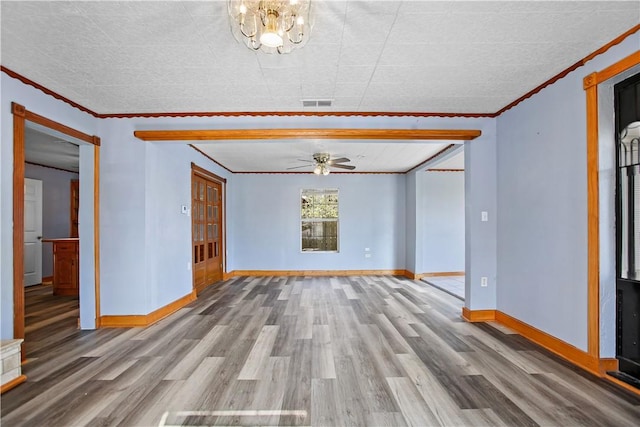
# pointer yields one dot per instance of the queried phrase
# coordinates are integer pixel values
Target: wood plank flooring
(375, 351)
(49, 320)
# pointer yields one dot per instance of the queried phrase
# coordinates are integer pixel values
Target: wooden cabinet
(66, 272)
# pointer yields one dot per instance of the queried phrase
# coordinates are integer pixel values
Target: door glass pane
(201, 232)
(210, 212)
(201, 191)
(215, 213)
(195, 232)
(215, 195)
(209, 193)
(201, 208)
(209, 231)
(215, 231)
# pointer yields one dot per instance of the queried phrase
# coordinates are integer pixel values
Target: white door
(32, 232)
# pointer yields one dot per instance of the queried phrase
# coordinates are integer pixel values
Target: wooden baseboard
(551, 343)
(608, 365)
(262, 273)
(622, 384)
(443, 273)
(557, 346)
(47, 280)
(478, 315)
(143, 320)
(13, 383)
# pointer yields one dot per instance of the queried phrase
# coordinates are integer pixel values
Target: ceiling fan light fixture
(317, 170)
(325, 171)
(270, 26)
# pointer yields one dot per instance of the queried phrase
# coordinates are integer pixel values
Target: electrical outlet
(484, 216)
(483, 282)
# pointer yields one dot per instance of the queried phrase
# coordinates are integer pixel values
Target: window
(319, 220)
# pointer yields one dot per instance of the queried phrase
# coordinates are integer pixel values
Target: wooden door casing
(207, 231)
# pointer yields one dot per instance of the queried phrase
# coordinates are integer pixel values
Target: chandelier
(270, 25)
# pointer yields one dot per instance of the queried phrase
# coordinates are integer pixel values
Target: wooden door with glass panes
(207, 232)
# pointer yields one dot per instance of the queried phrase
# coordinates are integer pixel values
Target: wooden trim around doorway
(590, 85)
(20, 116)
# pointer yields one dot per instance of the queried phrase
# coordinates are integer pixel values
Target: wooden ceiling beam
(258, 134)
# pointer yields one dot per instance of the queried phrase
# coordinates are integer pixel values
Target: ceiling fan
(323, 161)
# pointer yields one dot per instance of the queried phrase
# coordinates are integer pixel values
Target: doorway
(207, 219)
(88, 212)
(627, 127)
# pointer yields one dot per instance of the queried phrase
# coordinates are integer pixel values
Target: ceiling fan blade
(298, 167)
(344, 167)
(340, 160)
(305, 160)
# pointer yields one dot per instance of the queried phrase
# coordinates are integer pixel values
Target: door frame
(204, 173)
(20, 116)
(590, 86)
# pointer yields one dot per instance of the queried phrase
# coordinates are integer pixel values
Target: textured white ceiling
(279, 156)
(411, 56)
(47, 150)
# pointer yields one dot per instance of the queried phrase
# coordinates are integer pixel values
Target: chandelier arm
(255, 46)
(293, 22)
(300, 34)
(249, 36)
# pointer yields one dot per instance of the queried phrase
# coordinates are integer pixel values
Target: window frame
(302, 220)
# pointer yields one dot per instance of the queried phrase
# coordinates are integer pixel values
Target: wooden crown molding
(306, 133)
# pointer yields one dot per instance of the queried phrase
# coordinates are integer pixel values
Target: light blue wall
(480, 183)
(412, 216)
(145, 239)
(442, 200)
(34, 100)
(56, 194)
(542, 203)
(266, 226)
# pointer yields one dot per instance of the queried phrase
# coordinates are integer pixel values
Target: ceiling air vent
(317, 102)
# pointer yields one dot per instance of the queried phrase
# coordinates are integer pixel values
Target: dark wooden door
(627, 109)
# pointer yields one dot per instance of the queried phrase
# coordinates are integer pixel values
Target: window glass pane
(319, 220)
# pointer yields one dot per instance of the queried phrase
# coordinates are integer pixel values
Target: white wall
(267, 222)
(542, 203)
(442, 199)
(56, 194)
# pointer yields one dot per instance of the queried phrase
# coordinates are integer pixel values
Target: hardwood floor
(311, 351)
(50, 320)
